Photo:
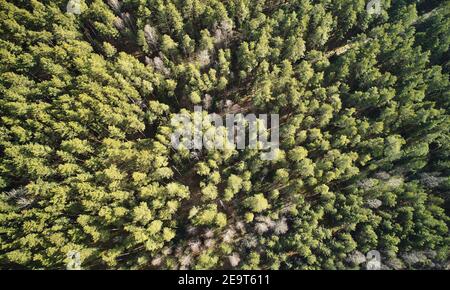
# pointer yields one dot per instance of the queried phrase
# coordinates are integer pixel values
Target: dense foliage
(86, 162)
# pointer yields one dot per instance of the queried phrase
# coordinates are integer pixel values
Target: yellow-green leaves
(142, 214)
(257, 203)
(154, 227)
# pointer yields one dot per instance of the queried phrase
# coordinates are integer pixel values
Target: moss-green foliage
(86, 162)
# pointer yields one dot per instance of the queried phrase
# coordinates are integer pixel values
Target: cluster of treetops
(87, 164)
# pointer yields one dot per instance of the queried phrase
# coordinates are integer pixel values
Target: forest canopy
(87, 164)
